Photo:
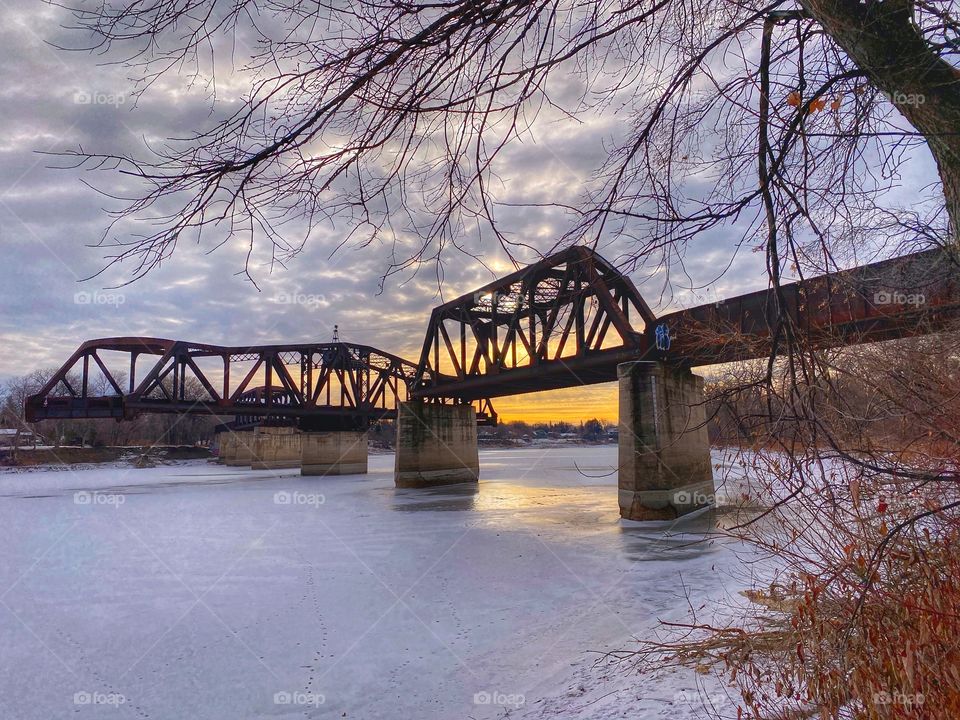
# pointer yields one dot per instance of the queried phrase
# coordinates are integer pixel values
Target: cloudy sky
(53, 100)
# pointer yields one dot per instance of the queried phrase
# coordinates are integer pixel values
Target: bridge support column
(333, 453)
(225, 446)
(436, 445)
(275, 448)
(665, 468)
(239, 448)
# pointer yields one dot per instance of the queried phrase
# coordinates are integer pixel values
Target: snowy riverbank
(201, 591)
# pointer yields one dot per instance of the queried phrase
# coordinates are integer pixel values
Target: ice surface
(199, 591)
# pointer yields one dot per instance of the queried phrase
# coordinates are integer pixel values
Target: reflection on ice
(440, 499)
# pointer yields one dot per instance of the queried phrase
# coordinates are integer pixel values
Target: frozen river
(198, 591)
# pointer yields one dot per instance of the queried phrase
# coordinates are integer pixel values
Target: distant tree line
(592, 430)
(148, 429)
(893, 398)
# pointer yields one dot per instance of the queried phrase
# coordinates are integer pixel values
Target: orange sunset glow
(570, 404)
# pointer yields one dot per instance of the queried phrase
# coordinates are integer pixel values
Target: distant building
(8, 438)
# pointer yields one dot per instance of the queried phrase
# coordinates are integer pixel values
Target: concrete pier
(239, 448)
(436, 445)
(275, 448)
(664, 460)
(333, 453)
(225, 446)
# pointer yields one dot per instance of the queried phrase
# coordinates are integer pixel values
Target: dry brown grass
(859, 463)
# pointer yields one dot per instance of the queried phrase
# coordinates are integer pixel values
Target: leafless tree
(391, 118)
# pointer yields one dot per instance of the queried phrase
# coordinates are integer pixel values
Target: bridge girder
(908, 296)
(323, 383)
(912, 295)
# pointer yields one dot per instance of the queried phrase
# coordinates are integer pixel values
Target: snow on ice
(200, 591)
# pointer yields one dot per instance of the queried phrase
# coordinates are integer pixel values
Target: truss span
(323, 383)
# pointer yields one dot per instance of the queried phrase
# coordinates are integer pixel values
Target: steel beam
(376, 381)
(912, 295)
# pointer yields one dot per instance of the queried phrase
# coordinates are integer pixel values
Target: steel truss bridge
(565, 321)
(570, 319)
(317, 386)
